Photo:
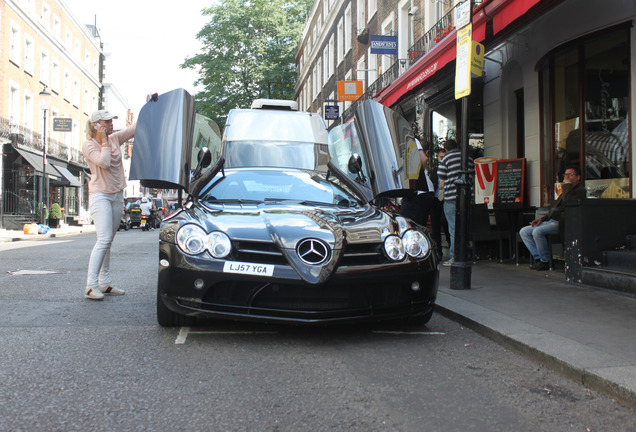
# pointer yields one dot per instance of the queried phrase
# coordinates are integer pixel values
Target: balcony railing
(431, 38)
(26, 138)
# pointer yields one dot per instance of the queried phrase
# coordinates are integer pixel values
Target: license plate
(248, 268)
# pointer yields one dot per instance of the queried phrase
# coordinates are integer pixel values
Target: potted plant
(55, 214)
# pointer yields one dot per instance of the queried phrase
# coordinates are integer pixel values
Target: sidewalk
(14, 235)
(585, 333)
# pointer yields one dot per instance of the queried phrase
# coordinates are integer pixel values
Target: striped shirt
(449, 170)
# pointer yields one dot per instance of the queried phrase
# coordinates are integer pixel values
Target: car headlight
(219, 244)
(394, 248)
(416, 244)
(192, 239)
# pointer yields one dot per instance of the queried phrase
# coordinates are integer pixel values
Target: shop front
(555, 91)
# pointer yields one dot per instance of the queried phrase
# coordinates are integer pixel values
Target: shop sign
(332, 112)
(477, 58)
(462, 63)
(349, 90)
(384, 45)
(62, 124)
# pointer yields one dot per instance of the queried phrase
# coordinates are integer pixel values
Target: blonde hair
(90, 130)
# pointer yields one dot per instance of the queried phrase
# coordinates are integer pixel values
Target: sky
(147, 41)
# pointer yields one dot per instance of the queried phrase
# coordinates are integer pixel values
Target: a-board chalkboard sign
(510, 182)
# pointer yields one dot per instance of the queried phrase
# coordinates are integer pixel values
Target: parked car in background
(283, 220)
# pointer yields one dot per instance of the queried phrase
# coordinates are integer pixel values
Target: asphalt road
(71, 364)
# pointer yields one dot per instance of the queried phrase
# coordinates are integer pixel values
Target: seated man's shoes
(542, 266)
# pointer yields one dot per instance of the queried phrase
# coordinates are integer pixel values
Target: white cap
(102, 115)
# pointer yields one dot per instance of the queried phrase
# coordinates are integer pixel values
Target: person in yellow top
(102, 150)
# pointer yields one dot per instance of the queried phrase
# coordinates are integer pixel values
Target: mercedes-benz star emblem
(312, 251)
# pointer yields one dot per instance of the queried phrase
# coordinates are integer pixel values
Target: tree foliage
(248, 53)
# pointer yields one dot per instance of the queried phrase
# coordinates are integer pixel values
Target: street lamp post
(44, 99)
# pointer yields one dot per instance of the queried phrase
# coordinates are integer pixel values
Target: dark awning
(36, 162)
(67, 175)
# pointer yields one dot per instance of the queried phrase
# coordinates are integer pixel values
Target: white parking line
(409, 333)
(185, 331)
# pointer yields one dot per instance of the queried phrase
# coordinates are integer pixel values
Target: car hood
(287, 225)
(169, 133)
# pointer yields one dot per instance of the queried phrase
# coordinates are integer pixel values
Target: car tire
(168, 318)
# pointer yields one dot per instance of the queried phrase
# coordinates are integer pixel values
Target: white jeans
(106, 210)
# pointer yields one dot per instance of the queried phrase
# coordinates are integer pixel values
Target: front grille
(258, 252)
(363, 254)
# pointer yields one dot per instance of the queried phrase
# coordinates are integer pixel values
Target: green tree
(248, 53)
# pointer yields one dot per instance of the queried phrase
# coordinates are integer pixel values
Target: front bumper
(360, 293)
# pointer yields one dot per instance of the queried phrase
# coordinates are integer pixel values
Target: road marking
(409, 333)
(33, 272)
(185, 331)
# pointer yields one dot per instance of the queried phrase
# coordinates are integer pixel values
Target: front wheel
(168, 318)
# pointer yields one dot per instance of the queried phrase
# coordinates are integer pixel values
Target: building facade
(50, 82)
(557, 87)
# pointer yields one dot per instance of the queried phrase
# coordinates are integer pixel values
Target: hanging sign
(332, 112)
(384, 45)
(349, 90)
(62, 124)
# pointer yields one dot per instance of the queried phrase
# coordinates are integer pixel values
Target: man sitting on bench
(535, 235)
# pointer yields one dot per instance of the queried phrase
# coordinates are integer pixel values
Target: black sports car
(280, 219)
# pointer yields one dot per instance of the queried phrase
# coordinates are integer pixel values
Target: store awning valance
(442, 54)
(67, 175)
(36, 162)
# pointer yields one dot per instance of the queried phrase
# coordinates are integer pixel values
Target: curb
(18, 236)
(536, 345)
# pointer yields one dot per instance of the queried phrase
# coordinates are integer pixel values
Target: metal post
(461, 269)
(45, 191)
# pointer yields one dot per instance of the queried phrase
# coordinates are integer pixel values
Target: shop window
(585, 111)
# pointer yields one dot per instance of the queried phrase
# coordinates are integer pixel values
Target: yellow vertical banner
(463, 61)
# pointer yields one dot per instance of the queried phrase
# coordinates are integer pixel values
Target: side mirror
(355, 167)
(204, 159)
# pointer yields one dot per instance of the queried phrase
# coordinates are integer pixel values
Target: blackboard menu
(510, 181)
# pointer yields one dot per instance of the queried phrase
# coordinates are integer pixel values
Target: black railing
(16, 205)
(26, 138)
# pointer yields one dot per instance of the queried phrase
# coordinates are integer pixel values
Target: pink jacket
(105, 163)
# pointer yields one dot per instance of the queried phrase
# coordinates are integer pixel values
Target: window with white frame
(57, 26)
(325, 63)
(340, 41)
(68, 39)
(27, 113)
(55, 75)
(318, 75)
(372, 8)
(361, 72)
(332, 48)
(44, 67)
(67, 86)
(14, 104)
(15, 43)
(86, 106)
(87, 59)
(347, 29)
(29, 5)
(405, 32)
(77, 48)
(372, 65)
(325, 8)
(387, 29)
(29, 54)
(46, 14)
(361, 15)
(76, 92)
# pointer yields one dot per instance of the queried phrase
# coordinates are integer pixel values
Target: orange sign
(349, 90)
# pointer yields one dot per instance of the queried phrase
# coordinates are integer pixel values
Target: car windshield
(283, 154)
(275, 186)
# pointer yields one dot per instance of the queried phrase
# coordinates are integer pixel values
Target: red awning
(512, 10)
(443, 53)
